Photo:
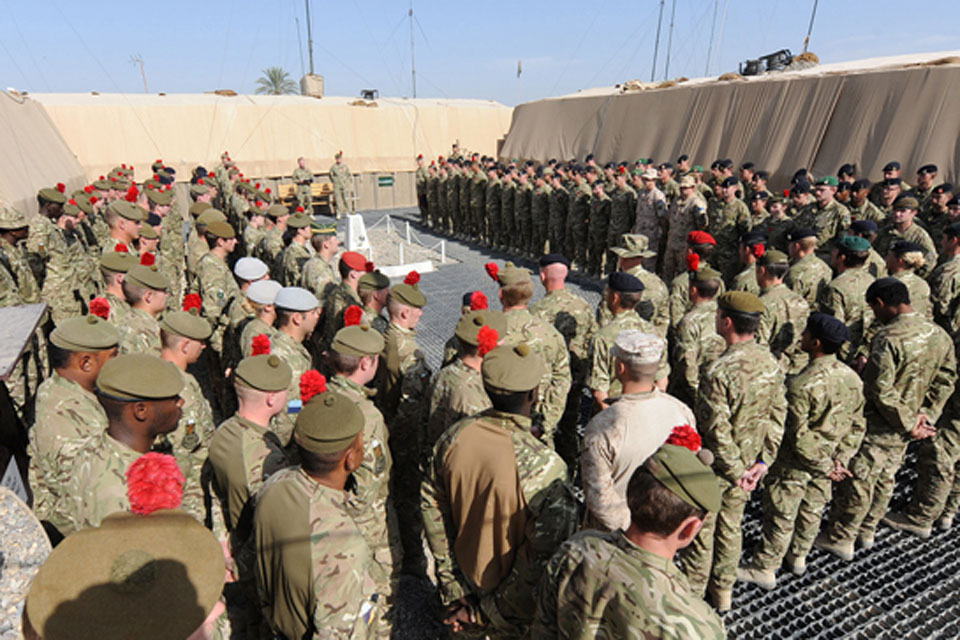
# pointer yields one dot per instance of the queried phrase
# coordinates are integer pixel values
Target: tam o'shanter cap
(148, 232)
(827, 328)
(138, 376)
(409, 294)
(512, 274)
(117, 261)
(277, 211)
(159, 197)
(266, 372)
(773, 257)
(147, 276)
(328, 423)
(211, 215)
(354, 260)
(221, 230)
(199, 207)
(854, 244)
(298, 221)
(52, 195)
(150, 577)
(706, 273)
(906, 202)
(374, 281)
(891, 166)
(85, 333)
(512, 368)
(635, 245)
(741, 302)
(250, 269)
(685, 475)
(471, 322)
(127, 210)
(623, 282)
(358, 340)
(296, 299)
(645, 347)
(263, 291)
(186, 324)
(10, 218)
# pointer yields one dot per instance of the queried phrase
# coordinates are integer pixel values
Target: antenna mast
(806, 41)
(673, 13)
(309, 36)
(656, 46)
(413, 62)
(138, 59)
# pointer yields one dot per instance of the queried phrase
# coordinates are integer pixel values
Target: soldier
(490, 549)
(655, 305)
(298, 312)
(622, 208)
(297, 252)
(741, 409)
(215, 283)
(507, 227)
(752, 248)
(785, 312)
(539, 213)
(758, 209)
(687, 213)
(612, 585)
(904, 259)
(261, 295)
(352, 266)
(598, 223)
(516, 289)
(453, 197)
(421, 176)
(490, 225)
(113, 270)
(700, 247)
(141, 396)
(558, 207)
(778, 226)
(316, 573)
(577, 226)
(145, 289)
(926, 176)
(478, 192)
(651, 214)
(729, 219)
(44, 241)
(825, 215)
(303, 178)
(125, 219)
(318, 273)
(697, 342)
(271, 246)
(373, 289)
(799, 197)
(891, 175)
(908, 378)
(844, 298)
(619, 439)
(945, 282)
(67, 407)
(824, 428)
(464, 185)
(342, 186)
(861, 207)
(522, 213)
(171, 241)
(903, 227)
(935, 216)
(876, 265)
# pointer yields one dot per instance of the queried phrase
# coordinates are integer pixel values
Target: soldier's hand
(859, 363)
(839, 472)
(923, 429)
(461, 615)
(751, 478)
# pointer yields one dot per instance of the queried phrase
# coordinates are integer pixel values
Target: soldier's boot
(903, 522)
(722, 599)
(842, 550)
(796, 566)
(765, 578)
(945, 521)
(866, 539)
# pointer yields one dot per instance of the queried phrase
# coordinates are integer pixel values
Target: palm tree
(275, 82)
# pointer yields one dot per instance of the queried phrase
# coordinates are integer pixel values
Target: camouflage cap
(211, 215)
(148, 232)
(512, 368)
(644, 348)
(471, 322)
(105, 583)
(127, 210)
(685, 475)
(199, 207)
(298, 221)
(328, 423)
(139, 376)
(687, 181)
(635, 245)
(85, 333)
(221, 230)
(186, 324)
(358, 340)
(409, 294)
(10, 218)
(159, 197)
(373, 281)
(49, 194)
(741, 302)
(263, 291)
(512, 274)
(773, 257)
(266, 372)
(147, 276)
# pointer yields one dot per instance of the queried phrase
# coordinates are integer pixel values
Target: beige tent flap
(32, 154)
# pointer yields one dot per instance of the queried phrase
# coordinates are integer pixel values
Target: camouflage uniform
(252, 329)
(655, 305)
(651, 215)
(914, 233)
(304, 191)
(911, 370)
(539, 212)
(333, 307)
(548, 343)
(522, 212)
(270, 249)
(781, 325)
(617, 441)
(919, 292)
(297, 356)
(291, 264)
(457, 392)
(506, 231)
(342, 186)
(728, 221)
(845, 298)
(945, 295)
(830, 223)
(491, 227)
(478, 192)
(683, 217)
(936, 493)
(218, 289)
(622, 208)
(577, 224)
(319, 277)
(17, 287)
(809, 276)
(697, 344)
(374, 319)
(141, 333)
(601, 585)
(824, 424)
(545, 510)
(602, 376)
(65, 411)
(679, 299)
(172, 253)
(558, 207)
(867, 211)
(315, 572)
(876, 265)
(746, 280)
(741, 407)
(189, 443)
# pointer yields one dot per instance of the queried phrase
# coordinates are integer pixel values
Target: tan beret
(512, 368)
(147, 276)
(741, 301)
(85, 333)
(328, 423)
(358, 340)
(186, 324)
(221, 230)
(266, 372)
(139, 376)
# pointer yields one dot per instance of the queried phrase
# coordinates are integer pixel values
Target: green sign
(384, 181)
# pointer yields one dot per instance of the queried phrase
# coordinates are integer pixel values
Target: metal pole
(309, 37)
(806, 41)
(713, 28)
(299, 43)
(400, 248)
(673, 12)
(407, 224)
(413, 62)
(656, 45)
(443, 251)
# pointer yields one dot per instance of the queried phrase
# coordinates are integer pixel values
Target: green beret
(409, 294)
(221, 230)
(148, 232)
(188, 325)
(50, 194)
(139, 376)
(323, 229)
(853, 244)
(773, 257)
(159, 197)
(358, 340)
(906, 202)
(85, 333)
(328, 423)
(512, 368)
(10, 218)
(298, 221)
(147, 276)
(706, 273)
(211, 215)
(265, 372)
(127, 210)
(374, 281)
(199, 207)
(830, 181)
(117, 261)
(511, 274)
(741, 301)
(471, 322)
(682, 472)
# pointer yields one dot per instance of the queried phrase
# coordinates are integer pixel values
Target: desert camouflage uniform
(622, 211)
(291, 263)
(558, 207)
(697, 344)
(252, 329)
(651, 216)
(914, 233)
(746, 280)
(576, 229)
(911, 370)
(141, 333)
(728, 221)
(741, 407)
(830, 223)
(683, 218)
(297, 356)
(602, 375)
(945, 295)
(845, 298)
(824, 424)
(809, 276)
(457, 393)
(491, 201)
(219, 290)
(304, 191)
(919, 292)
(189, 443)
(601, 585)
(599, 221)
(342, 186)
(781, 325)
(334, 305)
(679, 298)
(334, 592)
(320, 277)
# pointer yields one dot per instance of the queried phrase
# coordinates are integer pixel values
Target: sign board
(17, 325)
(384, 181)
(357, 239)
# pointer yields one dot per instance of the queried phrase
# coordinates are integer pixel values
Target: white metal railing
(410, 236)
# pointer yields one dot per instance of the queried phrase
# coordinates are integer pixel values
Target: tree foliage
(276, 82)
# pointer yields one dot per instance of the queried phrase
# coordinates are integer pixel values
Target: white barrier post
(400, 247)
(443, 251)
(408, 230)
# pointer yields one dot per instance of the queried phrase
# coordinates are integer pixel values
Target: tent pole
(806, 41)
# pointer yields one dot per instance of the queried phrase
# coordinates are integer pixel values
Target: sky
(462, 49)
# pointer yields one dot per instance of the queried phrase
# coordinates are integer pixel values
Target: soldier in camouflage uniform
(622, 209)
(171, 242)
(303, 178)
(67, 407)
(936, 215)
(271, 246)
(557, 209)
(145, 289)
(825, 215)
(215, 282)
(945, 282)
(615, 585)
(808, 275)
(96, 486)
(651, 214)
(697, 342)
(599, 220)
(539, 213)
(861, 207)
(490, 225)
(342, 185)
(506, 225)
(700, 247)
(655, 305)
(318, 275)
(373, 289)
(904, 259)
(577, 226)
(492, 541)
(298, 312)
(523, 215)
(903, 227)
(785, 313)
(687, 213)
(466, 214)
(844, 297)
(478, 192)
(297, 252)
(741, 407)
(352, 266)
(728, 220)
(824, 428)
(751, 247)
(316, 573)
(908, 378)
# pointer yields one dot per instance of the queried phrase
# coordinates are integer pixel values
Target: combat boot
(722, 598)
(843, 550)
(765, 578)
(866, 540)
(796, 566)
(903, 522)
(944, 522)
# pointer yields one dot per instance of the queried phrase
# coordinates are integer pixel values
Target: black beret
(589, 157)
(846, 185)
(901, 247)
(748, 166)
(864, 226)
(953, 230)
(861, 183)
(730, 182)
(624, 283)
(666, 165)
(683, 158)
(165, 178)
(826, 328)
(153, 219)
(799, 173)
(554, 258)
(891, 182)
(883, 286)
(552, 161)
(801, 186)
(891, 166)
(954, 201)
(751, 238)
(927, 168)
(726, 163)
(763, 175)
(846, 170)
(609, 165)
(715, 164)
(946, 187)
(759, 195)
(800, 234)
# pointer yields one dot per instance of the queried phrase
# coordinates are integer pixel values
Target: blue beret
(554, 258)
(826, 328)
(927, 168)
(751, 238)
(864, 226)
(801, 186)
(624, 283)
(891, 166)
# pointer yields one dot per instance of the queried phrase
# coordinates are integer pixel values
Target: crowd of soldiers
(569, 471)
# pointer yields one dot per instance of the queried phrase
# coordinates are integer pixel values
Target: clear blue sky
(463, 49)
